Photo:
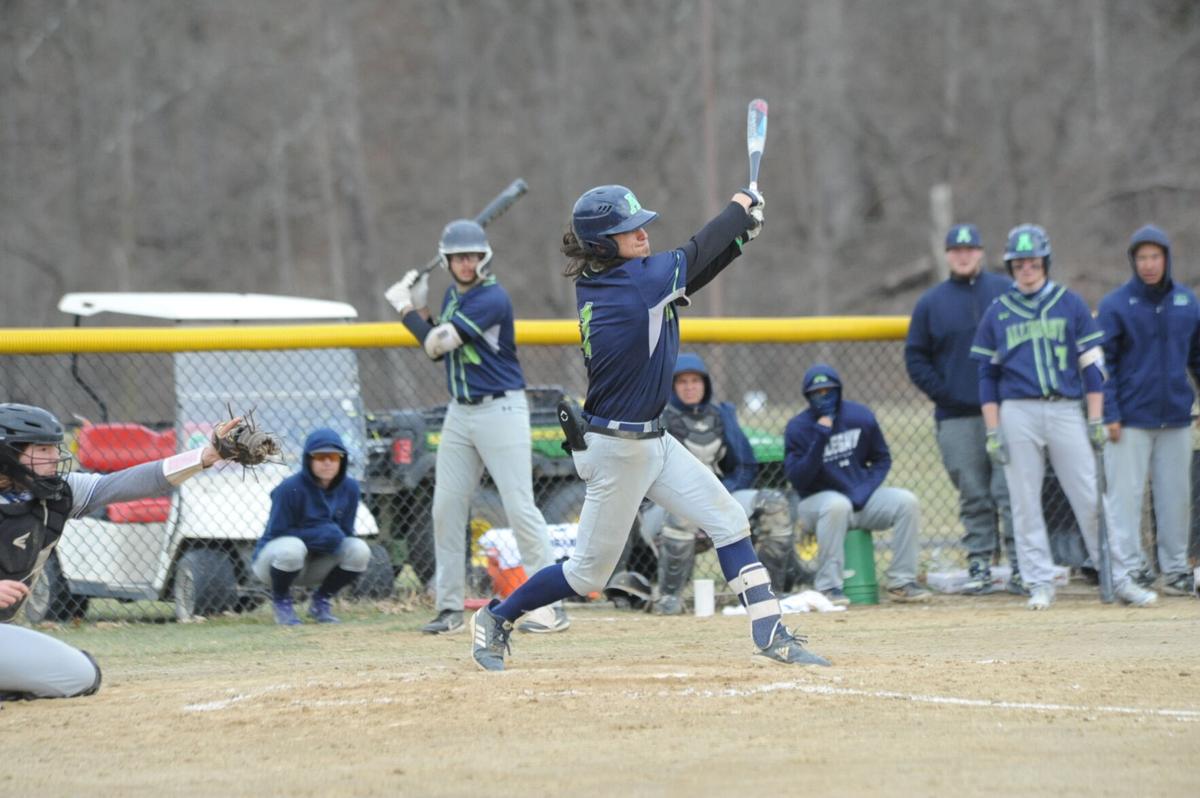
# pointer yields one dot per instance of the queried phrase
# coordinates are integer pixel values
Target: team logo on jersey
(1180, 300)
(840, 446)
(634, 205)
(1035, 329)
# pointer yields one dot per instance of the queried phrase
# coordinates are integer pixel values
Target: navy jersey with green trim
(486, 363)
(1036, 341)
(629, 331)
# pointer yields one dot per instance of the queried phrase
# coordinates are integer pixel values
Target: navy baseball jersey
(1037, 341)
(630, 335)
(486, 363)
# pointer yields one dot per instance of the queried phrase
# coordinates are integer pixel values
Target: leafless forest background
(317, 147)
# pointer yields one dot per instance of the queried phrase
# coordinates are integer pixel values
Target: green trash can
(861, 586)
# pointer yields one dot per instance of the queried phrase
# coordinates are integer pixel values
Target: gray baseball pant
(1166, 454)
(983, 505)
(289, 553)
(1033, 429)
(832, 515)
(494, 435)
(619, 472)
(38, 665)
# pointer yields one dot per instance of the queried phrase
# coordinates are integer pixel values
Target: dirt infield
(964, 697)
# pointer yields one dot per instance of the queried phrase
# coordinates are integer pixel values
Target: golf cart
(193, 547)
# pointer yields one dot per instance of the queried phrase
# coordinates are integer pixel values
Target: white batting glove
(411, 291)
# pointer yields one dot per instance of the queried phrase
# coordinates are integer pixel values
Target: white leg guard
(753, 586)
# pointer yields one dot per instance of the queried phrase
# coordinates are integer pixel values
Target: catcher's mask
(628, 589)
(25, 425)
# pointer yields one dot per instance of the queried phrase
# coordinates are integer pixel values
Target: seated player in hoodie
(836, 459)
(309, 540)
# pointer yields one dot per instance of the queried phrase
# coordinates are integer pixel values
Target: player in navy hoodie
(836, 459)
(1151, 341)
(309, 539)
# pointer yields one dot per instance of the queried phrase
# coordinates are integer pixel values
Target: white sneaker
(545, 620)
(1040, 597)
(1133, 594)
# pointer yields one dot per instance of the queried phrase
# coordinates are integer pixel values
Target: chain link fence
(189, 553)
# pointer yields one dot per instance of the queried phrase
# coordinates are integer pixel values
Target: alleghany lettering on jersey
(841, 446)
(1048, 329)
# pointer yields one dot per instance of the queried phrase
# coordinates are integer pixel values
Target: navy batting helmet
(1027, 241)
(462, 236)
(21, 425)
(604, 211)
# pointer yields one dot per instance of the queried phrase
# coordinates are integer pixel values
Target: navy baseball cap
(963, 235)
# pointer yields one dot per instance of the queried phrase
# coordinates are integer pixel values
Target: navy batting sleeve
(715, 246)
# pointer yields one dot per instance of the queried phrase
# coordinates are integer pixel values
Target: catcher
(37, 496)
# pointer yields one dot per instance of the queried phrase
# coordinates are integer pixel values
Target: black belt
(478, 400)
(629, 435)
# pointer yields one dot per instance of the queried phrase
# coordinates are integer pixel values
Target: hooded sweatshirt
(300, 507)
(1151, 342)
(851, 457)
(737, 465)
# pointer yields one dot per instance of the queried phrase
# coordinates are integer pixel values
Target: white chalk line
(1185, 715)
(1189, 715)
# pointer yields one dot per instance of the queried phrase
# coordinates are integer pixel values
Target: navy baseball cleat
(285, 613)
(788, 649)
(489, 638)
(320, 611)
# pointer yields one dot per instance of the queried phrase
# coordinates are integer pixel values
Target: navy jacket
(851, 458)
(300, 508)
(739, 465)
(937, 353)
(1151, 342)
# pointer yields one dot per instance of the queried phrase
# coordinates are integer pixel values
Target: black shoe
(979, 578)
(447, 622)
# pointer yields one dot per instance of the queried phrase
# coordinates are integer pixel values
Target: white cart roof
(197, 306)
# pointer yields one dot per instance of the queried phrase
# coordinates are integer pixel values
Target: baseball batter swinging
(487, 421)
(627, 300)
(37, 496)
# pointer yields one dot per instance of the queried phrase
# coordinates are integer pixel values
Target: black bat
(499, 204)
(1104, 567)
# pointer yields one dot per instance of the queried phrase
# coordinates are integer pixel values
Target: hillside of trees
(317, 147)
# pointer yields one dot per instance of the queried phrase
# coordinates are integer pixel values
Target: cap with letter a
(963, 235)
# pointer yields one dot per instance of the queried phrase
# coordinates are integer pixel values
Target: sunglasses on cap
(325, 457)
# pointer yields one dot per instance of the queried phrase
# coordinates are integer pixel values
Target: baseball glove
(242, 442)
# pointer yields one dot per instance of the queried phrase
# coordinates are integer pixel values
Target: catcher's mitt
(244, 443)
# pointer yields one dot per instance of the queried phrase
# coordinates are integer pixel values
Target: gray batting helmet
(462, 236)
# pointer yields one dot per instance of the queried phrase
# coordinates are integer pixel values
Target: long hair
(579, 260)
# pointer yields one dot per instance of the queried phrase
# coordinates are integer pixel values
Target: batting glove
(997, 449)
(411, 291)
(756, 198)
(756, 213)
(1097, 434)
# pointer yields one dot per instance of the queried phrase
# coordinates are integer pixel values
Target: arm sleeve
(418, 325)
(804, 453)
(1093, 379)
(918, 354)
(989, 382)
(715, 246)
(92, 491)
(739, 464)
